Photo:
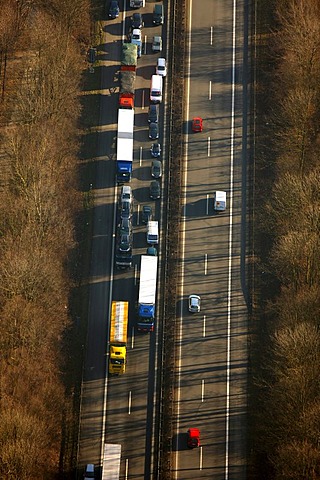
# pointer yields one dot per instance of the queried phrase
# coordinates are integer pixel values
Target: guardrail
(176, 102)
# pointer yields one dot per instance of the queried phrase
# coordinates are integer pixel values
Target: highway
(212, 356)
(130, 399)
(212, 367)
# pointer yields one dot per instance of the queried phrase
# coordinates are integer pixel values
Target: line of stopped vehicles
(146, 302)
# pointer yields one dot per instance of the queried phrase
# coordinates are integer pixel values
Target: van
(156, 89)
(219, 201)
(157, 17)
(153, 233)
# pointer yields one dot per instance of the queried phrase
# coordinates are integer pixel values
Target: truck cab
(117, 360)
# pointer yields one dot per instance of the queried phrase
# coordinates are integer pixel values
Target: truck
(147, 293)
(153, 232)
(137, 3)
(125, 145)
(111, 461)
(118, 337)
(128, 75)
(219, 201)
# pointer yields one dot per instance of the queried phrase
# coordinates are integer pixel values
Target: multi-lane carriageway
(211, 346)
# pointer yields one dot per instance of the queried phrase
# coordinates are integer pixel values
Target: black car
(125, 227)
(155, 150)
(153, 131)
(125, 243)
(156, 169)
(125, 210)
(153, 113)
(155, 190)
(136, 21)
(146, 214)
(114, 9)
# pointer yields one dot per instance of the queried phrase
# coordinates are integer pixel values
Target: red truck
(127, 75)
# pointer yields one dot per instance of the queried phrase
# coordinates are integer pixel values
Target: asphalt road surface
(129, 416)
(212, 368)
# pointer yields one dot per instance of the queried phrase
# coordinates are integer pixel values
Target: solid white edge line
(105, 390)
(183, 234)
(230, 240)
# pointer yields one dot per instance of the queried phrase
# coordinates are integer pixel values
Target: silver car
(157, 44)
(194, 303)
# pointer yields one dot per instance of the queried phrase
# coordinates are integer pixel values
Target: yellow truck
(118, 337)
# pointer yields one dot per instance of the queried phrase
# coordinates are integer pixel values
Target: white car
(157, 44)
(161, 68)
(194, 303)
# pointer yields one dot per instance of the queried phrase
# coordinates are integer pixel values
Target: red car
(193, 440)
(197, 124)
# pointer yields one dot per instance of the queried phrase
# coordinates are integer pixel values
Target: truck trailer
(125, 145)
(111, 461)
(128, 75)
(118, 337)
(147, 293)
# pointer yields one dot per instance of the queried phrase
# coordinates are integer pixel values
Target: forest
(42, 64)
(285, 357)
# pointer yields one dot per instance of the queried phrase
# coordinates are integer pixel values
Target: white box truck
(153, 232)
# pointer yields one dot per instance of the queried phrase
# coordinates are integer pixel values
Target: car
(155, 190)
(89, 472)
(157, 44)
(136, 39)
(114, 9)
(136, 36)
(152, 251)
(126, 194)
(137, 21)
(125, 209)
(146, 214)
(161, 68)
(194, 303)
(153, 131)
(153, 113)
(125, 243)
(125, 227)
(156, 169)
(197, 124)
(157, 17)
(155, 150)
(193, 437)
